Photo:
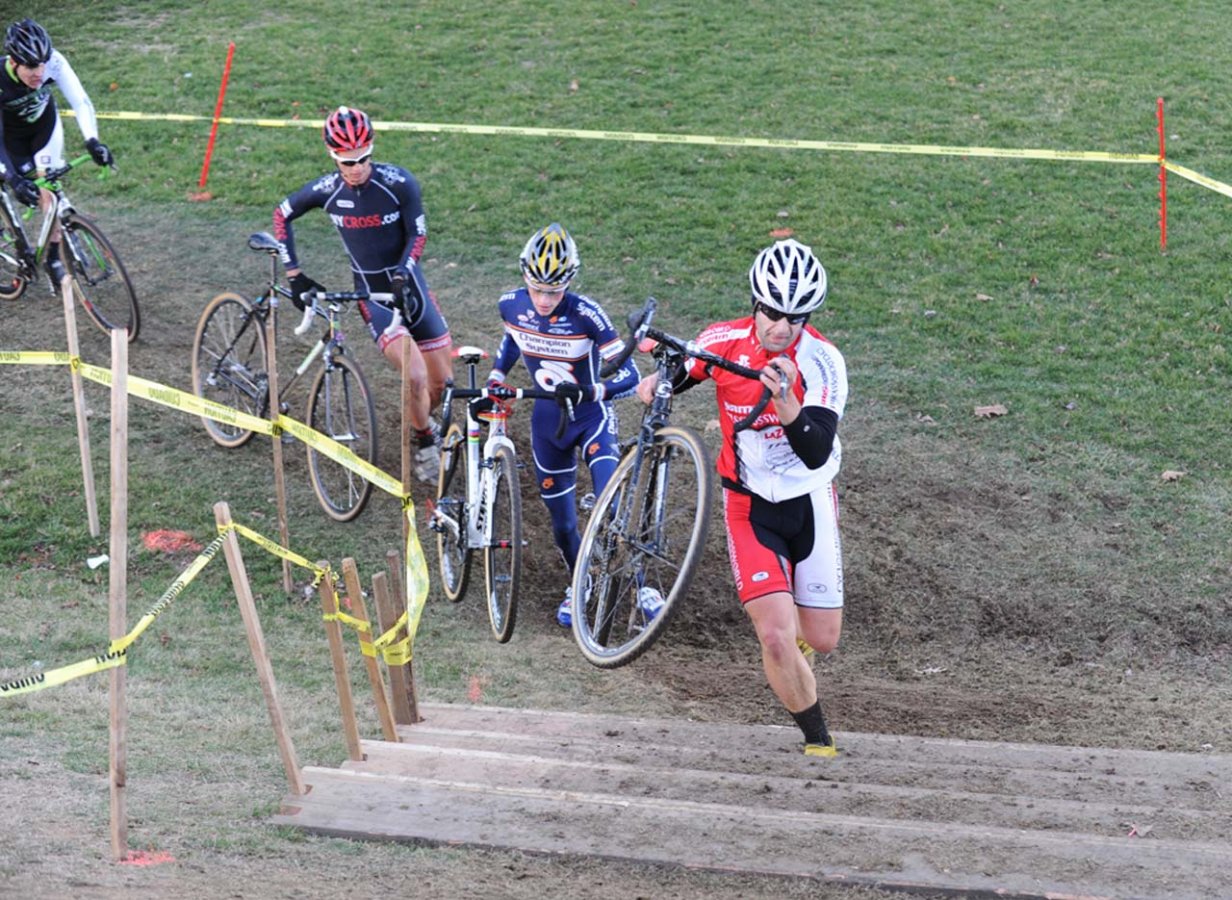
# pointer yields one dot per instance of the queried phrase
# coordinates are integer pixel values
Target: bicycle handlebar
(504, 393)
(312, 309)
(640, 328)
(51, 176)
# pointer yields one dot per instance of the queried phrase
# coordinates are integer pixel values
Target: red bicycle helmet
(348, 129)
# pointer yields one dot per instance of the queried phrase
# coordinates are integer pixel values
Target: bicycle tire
(453, 550)
(651, 533)
(502, 555)
(99, 277)
(229, 364)
(13, 279)
(339, 387)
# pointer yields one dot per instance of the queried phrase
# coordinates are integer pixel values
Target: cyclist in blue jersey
(379, 214)
(564, 338)
(31, 137)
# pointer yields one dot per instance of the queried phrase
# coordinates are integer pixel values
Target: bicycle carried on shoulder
(648, 528)
(478, 498)
(99, 277)
(229, 366)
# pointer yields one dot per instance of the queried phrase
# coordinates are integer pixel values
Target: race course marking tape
(657, 138)
(117, 651)
(416, 564)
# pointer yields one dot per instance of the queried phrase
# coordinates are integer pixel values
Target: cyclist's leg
(556, 473)
(48, 144)
(763, 574)
(600, 445)
(391, 336)
(427, 325)
(819, 573)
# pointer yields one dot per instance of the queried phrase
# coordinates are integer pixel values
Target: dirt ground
(930, 648)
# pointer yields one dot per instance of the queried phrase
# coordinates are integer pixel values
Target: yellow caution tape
(660, 138)
(35, 357)
(416, 576)
(185, 578)
(44, 680)
(191, 403)
(117, 650)
(275, 548)
(1198, 178)
(342, 455)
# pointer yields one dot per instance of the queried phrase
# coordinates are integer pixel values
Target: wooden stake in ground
(256, 643)
(280, 484)
(333, 632)
(359, 609)
(399, 675)
(406, 431)
(118, 592)
(79, 405)
(397, 584)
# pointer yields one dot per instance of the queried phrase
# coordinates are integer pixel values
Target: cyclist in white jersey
(31, 136)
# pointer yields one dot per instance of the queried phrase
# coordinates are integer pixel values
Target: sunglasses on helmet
(347, 163)
(774, 315)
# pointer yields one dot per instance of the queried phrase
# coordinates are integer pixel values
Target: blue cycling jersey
(568, 344)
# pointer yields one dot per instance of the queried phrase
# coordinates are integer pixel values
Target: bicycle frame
(31, 254)
(480, 496)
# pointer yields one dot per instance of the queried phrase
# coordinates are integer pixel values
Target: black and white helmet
(787, 276)
(26, 42)
(550, 258)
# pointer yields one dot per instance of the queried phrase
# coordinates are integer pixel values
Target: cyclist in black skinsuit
(378, 212)
(31, 137)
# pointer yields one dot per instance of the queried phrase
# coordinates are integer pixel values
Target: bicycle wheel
(229, 364)
(340, 407)
(502, 555)
(453, 548)
(647, 530)
(99, 277)
(12, 275)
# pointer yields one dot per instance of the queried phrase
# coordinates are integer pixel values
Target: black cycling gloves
(301, 284)
(99, 152)
(24, 189)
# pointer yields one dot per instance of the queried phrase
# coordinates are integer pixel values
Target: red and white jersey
(760, 458)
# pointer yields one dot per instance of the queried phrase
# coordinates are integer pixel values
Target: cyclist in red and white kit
(779, 502)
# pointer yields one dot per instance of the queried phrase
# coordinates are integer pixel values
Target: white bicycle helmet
(786, 276)
(550, 258)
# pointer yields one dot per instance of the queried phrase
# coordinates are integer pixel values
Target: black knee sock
(813, 724)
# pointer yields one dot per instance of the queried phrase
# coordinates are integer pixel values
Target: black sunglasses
(774, 315)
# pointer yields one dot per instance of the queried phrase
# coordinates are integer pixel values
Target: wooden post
(256, 643)
(399, 676)
(393, 560)
(406, 429)
(79, 405)
(280, 483)
(333, 631)
(118, 592)
(350, 576)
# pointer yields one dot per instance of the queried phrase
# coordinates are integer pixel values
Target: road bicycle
(648, 528)
(99, 277)
(478, 498)
(229, 366)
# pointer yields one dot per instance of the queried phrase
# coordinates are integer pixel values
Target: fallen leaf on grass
(990, 412)
(1172, 475)
(781, 233)
(983, 297)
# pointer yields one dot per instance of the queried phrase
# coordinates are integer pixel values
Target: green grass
(956, 283)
